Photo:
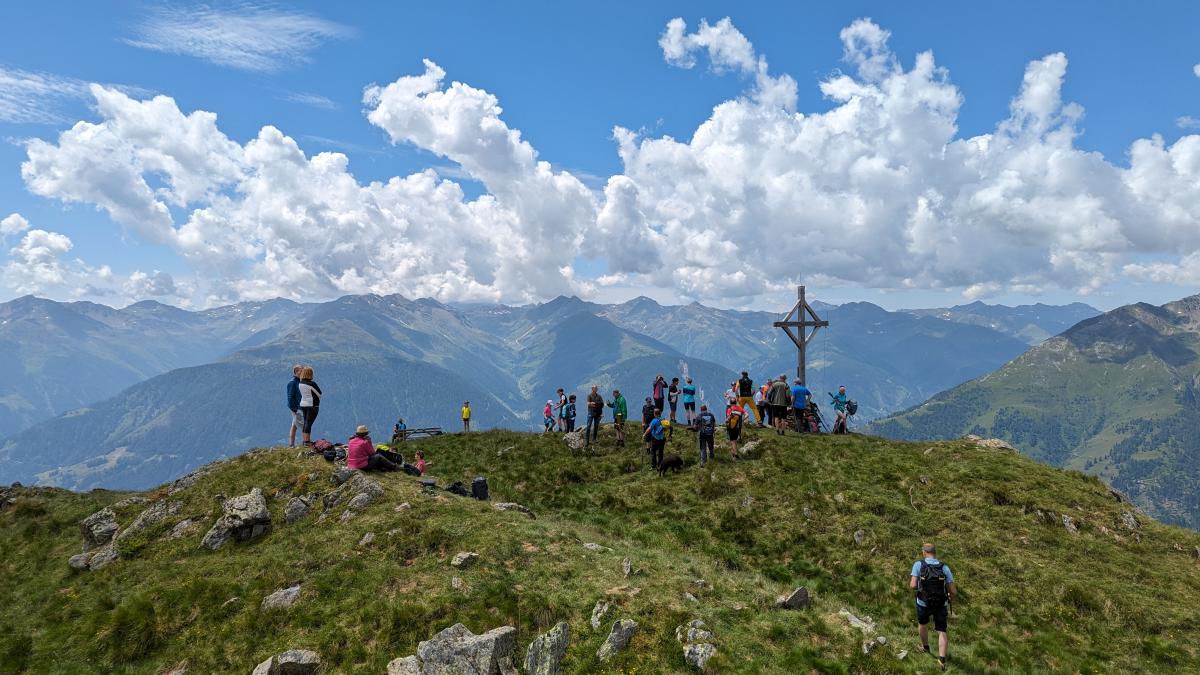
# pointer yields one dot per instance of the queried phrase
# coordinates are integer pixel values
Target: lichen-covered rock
(458, 650)
(103, 556)
(405, 665)
(154, 514)
(698, 654)
(1129, 521)
(182, 529)
(545, 653)
(245, 517)
(291, 662)
(297, 508)
(511, 506)
(99, 528)
(79, 562)
(360, 501)
(282, 599)
(598, 613)
(464, 559)
(618, 639)
(1069, 524)
(367, 539)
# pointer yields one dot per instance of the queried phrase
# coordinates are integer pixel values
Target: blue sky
(565, 74)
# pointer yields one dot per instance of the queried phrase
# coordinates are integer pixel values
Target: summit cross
(801, 317)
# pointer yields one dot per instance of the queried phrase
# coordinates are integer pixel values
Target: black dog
(670, 462)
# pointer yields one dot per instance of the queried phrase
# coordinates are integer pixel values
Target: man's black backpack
(932, 587)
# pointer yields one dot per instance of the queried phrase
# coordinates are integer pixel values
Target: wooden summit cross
(799, 318)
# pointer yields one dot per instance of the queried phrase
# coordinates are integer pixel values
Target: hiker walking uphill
(934, 583)
(293, 404)
(310, 402)
(706, 425)
(841, 405)
(595, 409)
(779, 397)
(688, 394)
(733, 427)
(745, 391)
(656, 438)
(620, 414)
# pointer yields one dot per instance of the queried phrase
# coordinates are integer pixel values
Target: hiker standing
(561, 410)
(620, 413)
(673, 397)
(688, 393)
(934, 583)
(310, 402)
(840, 425)
(800, 398)
(733, 427)
(656, 439)
(779, 398)
(570, 414)
(647, 417)
(466, 416)
(658, 391)
(595, 408)
(706, 424)
(548, 417)
(293, 403)
(731, 396)
(760, 403)
(746, 397)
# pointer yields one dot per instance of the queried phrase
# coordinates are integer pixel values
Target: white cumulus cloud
(877, 189)
(13, 223)
(245, 36)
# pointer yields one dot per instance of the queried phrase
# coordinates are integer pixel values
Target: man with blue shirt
(800, 397)
(657, 435)
(934, 583)
(293, 404)
(688, 393)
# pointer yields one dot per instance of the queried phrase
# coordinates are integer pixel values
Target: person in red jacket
(361, 454)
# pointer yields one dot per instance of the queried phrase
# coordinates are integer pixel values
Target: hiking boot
(925, 648)
(942, 662)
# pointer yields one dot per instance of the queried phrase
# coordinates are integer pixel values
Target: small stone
(698, 655)
(1129, 521)
(700, 583)
(464, 559)
(859, 535)
(79, 562)
(545, 653)
(690, 598)
(839, 498)
(924, 480)
(297, 508)
(807, 512)
(902, 654)
(747, 501)
(797, 599)
(360, 501)
(868, 646)
(341, 475)
(866, 625)
(597, 548)
(403, 507)
(282, 599)
(626, 567)
(699, 635)
(456, 583)
(598, 613)
(367, 539)
(881, 640)
(1069, 523)
(618, 639)
(512, 506)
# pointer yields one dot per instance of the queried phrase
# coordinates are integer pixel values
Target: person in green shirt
(620, 412)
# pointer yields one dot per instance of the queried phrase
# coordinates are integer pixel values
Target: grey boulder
(546, 653)
(246, 517)
(618, 639)
(98, 528)
(282, 599)
(291, 662)
(697, 654)
(797, 599)
(456, 650)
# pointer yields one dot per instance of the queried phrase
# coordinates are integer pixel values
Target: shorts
(619, 420)
(689, 405)
(939, 615)
(297, 419)
(734, 434)
(779, 412)
(673, 405)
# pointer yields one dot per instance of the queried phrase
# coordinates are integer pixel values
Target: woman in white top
(310, 402)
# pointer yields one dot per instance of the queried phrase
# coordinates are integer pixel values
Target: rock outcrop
(618, 639)
(358, 489)
(697, 642)
(511, 506)
(598, 613)
(797, 599)
(282, 599)
(458, 650)
(545, 653)
(99, 541)
(245, 517)
(291, 662)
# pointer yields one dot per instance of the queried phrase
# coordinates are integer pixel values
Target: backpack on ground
(459, 489)
(479, 488)
(932, 587)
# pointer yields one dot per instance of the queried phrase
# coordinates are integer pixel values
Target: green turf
(1034, 598)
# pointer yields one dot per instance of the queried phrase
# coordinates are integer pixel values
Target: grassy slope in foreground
(1034, 596)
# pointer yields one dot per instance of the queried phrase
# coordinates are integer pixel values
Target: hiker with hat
(620, 413)
(934, 584)
(362, 455)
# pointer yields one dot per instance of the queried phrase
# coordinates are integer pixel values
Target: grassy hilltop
(1035, 596)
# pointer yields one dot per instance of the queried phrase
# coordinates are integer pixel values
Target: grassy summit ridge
(1035, 597)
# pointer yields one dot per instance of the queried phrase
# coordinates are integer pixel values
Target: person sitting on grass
(362, 455)
(421, 464)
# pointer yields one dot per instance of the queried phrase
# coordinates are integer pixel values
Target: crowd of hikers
(775, 404)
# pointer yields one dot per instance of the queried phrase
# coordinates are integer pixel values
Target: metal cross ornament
(801, 317)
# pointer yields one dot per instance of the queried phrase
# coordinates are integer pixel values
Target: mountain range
(132, 397)
(1117, 395)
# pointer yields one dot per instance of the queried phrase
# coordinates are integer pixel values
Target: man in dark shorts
(779, 397)
(595, 409)
(673, 397)
(688, 391)
(620, 413)
(934, 583)
(656, 438)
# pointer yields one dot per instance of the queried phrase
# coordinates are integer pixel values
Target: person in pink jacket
(361, 453)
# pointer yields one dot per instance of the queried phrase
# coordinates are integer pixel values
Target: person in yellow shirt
(466, 416)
